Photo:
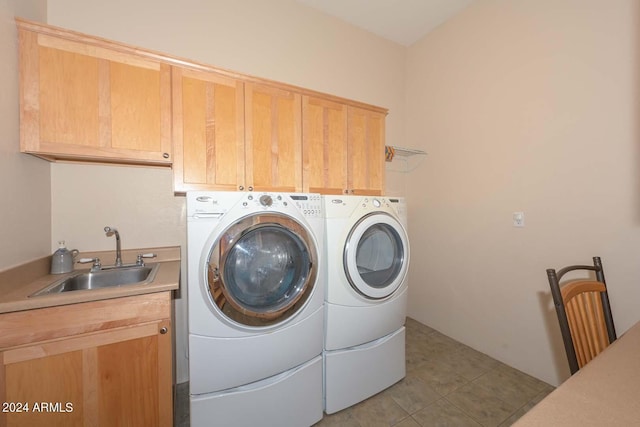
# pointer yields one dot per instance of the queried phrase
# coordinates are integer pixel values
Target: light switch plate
(518, 219)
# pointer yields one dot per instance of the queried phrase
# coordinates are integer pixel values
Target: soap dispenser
(62, 259)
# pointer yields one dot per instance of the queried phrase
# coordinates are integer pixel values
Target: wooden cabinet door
(115, 377)
(208, 131)
(273, 139)
(366, 135)
(324, 147)
(81, 99)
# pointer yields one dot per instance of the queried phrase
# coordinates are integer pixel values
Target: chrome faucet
(110, 232)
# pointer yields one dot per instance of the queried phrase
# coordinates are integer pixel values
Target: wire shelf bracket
(405, 159)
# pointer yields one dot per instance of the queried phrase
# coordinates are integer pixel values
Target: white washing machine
(256, 282)
(366, 297)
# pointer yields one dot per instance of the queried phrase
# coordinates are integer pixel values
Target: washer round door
(262, 269)
(376, 255)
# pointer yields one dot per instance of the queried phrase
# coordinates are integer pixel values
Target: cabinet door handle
(164, 330)
(250, 188)
(165, 155)
(241, 188)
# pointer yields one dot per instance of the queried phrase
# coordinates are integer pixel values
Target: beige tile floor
(447, 384)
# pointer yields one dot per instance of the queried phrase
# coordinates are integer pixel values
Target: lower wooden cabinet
(102, 363)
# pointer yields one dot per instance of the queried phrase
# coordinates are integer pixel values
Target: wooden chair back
(584, 313)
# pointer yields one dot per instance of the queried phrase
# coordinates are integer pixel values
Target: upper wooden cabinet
(88, 99)
(208, 131)
(343, 148)
(365, 151)
(231, 135)
(273, 139)
(325, 145)
(84, 98)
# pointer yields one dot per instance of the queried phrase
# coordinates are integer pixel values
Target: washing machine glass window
(262, 269)
(376, 256)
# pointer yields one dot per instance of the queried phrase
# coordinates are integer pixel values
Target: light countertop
(605, 392)
(18, 283)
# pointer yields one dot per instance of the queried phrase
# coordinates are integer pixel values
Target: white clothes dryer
(367, 263)
(256, 282)
(366, 297)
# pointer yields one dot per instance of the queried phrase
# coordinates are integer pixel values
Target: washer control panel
(309, 204)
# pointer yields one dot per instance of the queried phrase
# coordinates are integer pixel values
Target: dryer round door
(262, 269)
(376, 255)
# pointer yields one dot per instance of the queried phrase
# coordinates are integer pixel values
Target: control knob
(266, 200)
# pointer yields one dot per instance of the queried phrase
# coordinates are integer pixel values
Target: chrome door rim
(219, 291)
(350, 251)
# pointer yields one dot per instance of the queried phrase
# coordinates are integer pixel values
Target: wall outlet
(518, 219)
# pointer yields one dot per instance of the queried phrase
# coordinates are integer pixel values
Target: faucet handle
(96, 263)
(139, 260)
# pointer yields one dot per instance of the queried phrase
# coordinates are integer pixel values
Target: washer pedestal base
(290, 399)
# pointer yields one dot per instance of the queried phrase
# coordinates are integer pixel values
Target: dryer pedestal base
(349, 326)
(356, 373)
(291, 399)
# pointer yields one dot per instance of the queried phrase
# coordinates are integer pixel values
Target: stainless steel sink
(106, 278)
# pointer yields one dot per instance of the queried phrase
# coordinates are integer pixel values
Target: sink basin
(113, 277)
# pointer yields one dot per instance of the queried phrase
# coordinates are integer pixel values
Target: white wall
(524, 106)
(25, 213)
(279, 40)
